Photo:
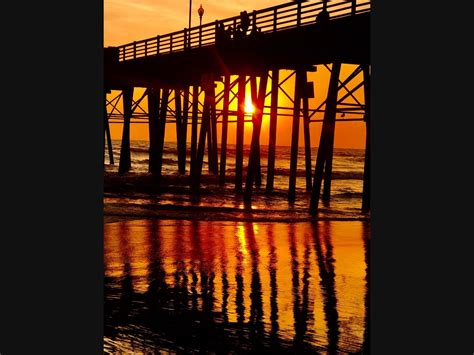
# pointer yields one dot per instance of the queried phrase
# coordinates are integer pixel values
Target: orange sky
(126, 21)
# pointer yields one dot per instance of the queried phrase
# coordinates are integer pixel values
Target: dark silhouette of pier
(180, 70)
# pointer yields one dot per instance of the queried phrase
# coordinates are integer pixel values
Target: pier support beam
(366, 184)
(254, 155)
(184, 132)
(330, 138)
(153, 126)
(177, 111)
(212, 130)
(161, 130)
(327, 137)
(194, 128)
(273, 127)
(107, 133)
(210, 155)
(180, 132)
(125, 159)
(196, 180)
(209, 99)
(307, 93)
(225, 120)
(295, 133)
(239, 154)
(255, 103)
(214, 169)
(328, 165)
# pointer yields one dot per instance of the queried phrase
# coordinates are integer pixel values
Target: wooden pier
(181, 71)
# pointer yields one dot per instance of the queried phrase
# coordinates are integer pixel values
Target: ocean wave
(139, 149)
(348, 194)
(348, 175)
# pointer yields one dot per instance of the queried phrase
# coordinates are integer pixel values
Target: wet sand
(236, 286)
(142, 196)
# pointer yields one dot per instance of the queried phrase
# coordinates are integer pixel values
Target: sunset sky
(126, 21)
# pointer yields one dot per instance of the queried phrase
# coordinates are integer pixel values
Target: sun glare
(248, 106)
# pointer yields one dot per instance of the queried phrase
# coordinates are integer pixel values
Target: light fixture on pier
(200, 12)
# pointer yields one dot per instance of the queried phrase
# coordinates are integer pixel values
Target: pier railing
(272, 19)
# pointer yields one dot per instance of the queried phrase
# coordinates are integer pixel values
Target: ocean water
(222, 202)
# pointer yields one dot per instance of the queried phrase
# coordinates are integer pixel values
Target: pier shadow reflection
(301, 312)
(157, 287)
(324, 252)
(256, 306)
(272, 269)
(180, 275)
(224, 278)
(239, 292)
(208, 287)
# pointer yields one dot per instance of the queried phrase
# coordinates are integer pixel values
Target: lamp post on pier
(200, 12)
(190, 7)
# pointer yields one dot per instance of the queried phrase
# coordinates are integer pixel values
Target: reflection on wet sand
(327, 281)
(236, 286)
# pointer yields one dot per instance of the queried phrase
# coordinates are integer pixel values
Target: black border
(419, 286)
(51, 245)
(51, 267)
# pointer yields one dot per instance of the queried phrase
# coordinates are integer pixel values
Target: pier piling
(108, 138)
(254, 155)
(161, 130)
(179, 132)
(213, 133)
(184, 132)
(153, 128)
(225, 119)
(336, 69)
(239, 155)
(208, 87)
(295, 134)
(272, 133)
(125, 159)
(307, 137)
(194, 128)
(366, 183)
(327, 131)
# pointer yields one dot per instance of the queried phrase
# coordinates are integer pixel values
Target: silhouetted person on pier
(221, 34)
(229, 32)
(238, 32)
(323, 16)
(244, 22)
(255, 30)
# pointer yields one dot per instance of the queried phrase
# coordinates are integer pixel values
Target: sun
(248, 106)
